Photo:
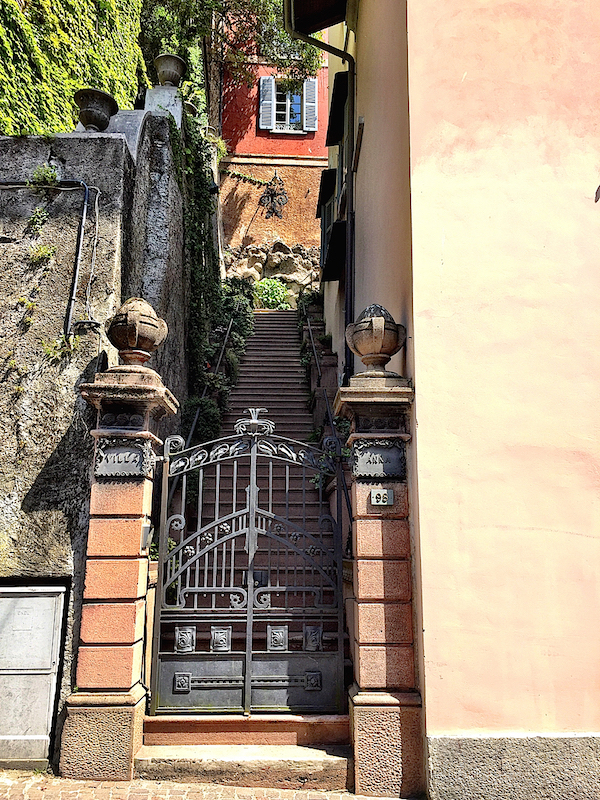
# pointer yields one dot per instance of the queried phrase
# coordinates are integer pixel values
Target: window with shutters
(288, 112)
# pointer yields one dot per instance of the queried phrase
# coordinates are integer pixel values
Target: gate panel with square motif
(249, 611)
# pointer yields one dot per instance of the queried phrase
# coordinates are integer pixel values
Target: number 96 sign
(382, 497)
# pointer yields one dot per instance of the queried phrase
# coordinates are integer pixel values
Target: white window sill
(286, 132)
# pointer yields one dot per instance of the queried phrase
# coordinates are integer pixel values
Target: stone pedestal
(385, 705)
(103, 727)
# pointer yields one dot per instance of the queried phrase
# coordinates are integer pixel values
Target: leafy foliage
(45, 175)
(48, 50)
(42, 254)
(271, 293)
(235, 30)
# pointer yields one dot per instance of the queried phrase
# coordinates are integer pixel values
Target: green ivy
(48, 50)
(212, 302)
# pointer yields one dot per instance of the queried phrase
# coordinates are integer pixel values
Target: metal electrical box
(31, 619)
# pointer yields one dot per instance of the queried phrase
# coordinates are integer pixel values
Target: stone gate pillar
(104, 717)
(385, 706)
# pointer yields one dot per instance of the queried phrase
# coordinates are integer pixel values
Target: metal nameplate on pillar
(379, 458)
(123, 458)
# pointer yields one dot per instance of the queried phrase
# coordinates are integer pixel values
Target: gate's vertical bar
(252, 542)
(340, 570)
(162, 556)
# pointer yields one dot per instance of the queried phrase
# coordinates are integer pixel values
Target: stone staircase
(272, 377)
(294, 751)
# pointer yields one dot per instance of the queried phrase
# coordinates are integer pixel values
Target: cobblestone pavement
(21, 785)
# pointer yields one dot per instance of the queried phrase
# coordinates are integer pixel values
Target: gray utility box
(30, 636)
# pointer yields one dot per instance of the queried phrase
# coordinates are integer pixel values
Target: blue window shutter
(266, 114)
(310, 102)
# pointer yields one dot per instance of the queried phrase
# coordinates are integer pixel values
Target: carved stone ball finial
(375, 337)
(136, 331)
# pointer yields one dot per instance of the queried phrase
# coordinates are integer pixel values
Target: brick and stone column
(104, 721)
(385, 705)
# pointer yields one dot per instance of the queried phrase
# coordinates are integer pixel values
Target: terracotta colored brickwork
(381, 609)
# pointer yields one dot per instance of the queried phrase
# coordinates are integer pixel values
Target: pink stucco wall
(505, 160)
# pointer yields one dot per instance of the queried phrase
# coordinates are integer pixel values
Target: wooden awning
(311, 16)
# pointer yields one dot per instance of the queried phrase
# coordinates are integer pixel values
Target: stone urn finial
(375, 337)
(136, 331)
(170, 69)
(95, 108)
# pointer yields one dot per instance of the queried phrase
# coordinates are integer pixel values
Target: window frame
(268, 103)
(288, 127)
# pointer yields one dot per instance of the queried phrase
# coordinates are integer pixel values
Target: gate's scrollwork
(249, 608)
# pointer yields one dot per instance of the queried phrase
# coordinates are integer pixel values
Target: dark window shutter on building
(337, 110)
(335, 260)
(326, 188)
(310, 99)
(266, 115)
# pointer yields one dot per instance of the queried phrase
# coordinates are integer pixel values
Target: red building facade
(270, 131)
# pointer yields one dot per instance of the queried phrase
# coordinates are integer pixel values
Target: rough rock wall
(45, 446)
(155, 265)
(296, 266)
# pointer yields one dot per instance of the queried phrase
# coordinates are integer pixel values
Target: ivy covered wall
(51, 48)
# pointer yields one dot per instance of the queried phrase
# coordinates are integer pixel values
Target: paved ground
(17, 785)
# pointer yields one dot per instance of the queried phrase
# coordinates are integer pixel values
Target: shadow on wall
(241, 104)
(57, 506)
(233, 206)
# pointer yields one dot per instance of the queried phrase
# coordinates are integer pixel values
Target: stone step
(270, 360)
(272, 338)
(259, 355)
(273, 373)
(290, 396)
(269, 388)
(257, 729)
(268, 766)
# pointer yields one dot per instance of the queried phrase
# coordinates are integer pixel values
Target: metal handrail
(197, 414)
(340, 476)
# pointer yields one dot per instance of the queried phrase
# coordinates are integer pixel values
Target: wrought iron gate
(249, 602)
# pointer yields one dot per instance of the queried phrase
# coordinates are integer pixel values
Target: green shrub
(42, 254)
(271, 293)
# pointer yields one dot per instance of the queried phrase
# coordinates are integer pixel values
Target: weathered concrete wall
(45, 447)
(155, 267)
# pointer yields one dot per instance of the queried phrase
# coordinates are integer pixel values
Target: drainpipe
(66, 184)
(288, 11)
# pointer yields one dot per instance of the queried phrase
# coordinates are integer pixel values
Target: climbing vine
(48, 50)
(212, 302)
